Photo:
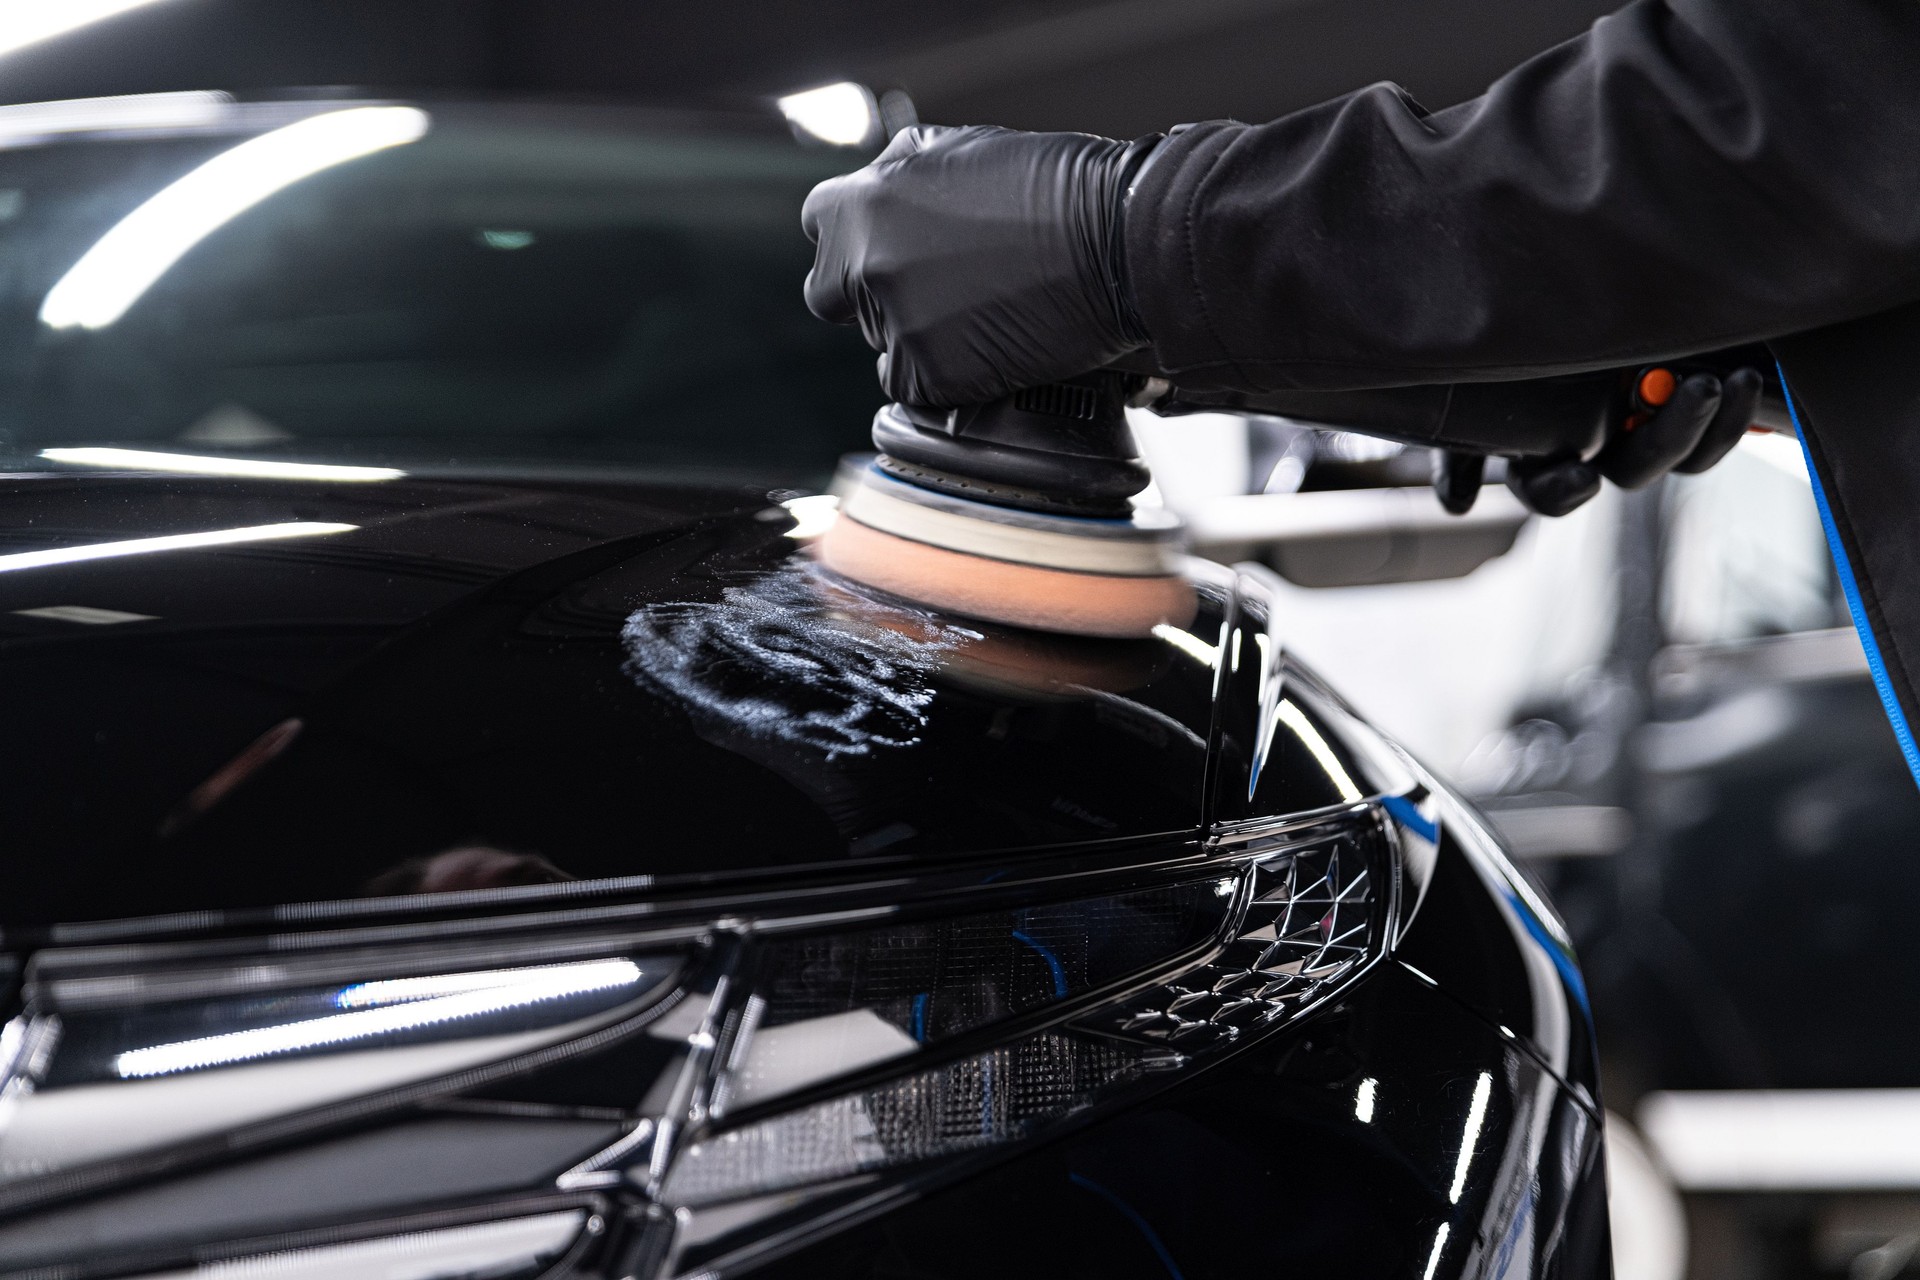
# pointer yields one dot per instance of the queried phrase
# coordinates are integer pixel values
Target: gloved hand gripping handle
(1562, 435)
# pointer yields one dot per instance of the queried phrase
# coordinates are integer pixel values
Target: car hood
(316, 691)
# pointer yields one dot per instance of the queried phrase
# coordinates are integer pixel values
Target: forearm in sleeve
(1687, 175)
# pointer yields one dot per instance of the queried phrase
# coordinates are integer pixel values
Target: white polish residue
(785, 660)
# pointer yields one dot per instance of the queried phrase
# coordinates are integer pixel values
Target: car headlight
(738, 1071)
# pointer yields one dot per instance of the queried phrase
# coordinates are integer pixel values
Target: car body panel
(1336, 1150)
(614, 681)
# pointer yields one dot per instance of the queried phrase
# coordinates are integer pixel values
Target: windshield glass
(439, 287)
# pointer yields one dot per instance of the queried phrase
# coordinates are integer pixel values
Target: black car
(453, 829)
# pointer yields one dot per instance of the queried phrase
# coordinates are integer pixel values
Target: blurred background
(1659, 699)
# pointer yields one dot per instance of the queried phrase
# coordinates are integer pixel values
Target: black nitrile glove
(1697, 427)
(979, 260)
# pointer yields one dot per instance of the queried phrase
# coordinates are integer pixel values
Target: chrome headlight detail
(1298, 915)
(506, 1247)
(119, 1060)
(783, 1066)
(1313, 919)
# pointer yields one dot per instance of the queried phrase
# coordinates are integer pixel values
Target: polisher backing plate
(1067, 574)
(1144, 545)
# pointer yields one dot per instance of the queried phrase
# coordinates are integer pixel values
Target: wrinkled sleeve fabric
(1687, 175)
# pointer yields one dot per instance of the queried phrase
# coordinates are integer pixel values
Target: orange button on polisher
(1653, 388)
(1656, 387)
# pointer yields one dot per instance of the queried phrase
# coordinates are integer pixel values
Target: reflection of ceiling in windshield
(136, 252)
(515, 285)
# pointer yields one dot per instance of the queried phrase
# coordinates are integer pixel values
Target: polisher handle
(1541, 417)
(1567, 416)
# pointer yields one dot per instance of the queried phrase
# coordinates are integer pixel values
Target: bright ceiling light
(169, 542)
(189, 464)
(124, 263)
(25, 22)
(844, 114)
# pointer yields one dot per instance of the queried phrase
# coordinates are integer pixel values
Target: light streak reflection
(1304, 729)
(813, 514)
(26, 122)
(169, 542)
(513, 989)
(1439, 1243)
(125, 262)
(196, 465)
(1470, 1136)
(25, 22)
(843, 114)
(1188, 643)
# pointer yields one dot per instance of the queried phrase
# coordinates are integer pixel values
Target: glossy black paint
(588, 679)
(1488, 935)
(1265, 1165)
(509, 683)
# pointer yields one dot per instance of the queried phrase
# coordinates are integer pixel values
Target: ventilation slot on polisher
(1059, 400)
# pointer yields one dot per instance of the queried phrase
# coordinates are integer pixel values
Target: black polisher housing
(1064, 447)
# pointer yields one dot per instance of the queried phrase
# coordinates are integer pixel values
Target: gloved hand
(1696, 426)
(979, 260)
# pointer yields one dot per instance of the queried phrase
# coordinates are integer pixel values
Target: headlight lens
(1144, 987)
(764, 1062)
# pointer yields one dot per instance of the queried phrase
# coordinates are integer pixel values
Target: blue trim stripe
(1876, 664)
(1053, 963)
(1569, 971)
(920, 1017)
(1408, 815)
(1133, 1216)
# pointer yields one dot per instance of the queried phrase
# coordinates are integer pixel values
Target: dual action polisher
(1016, 511)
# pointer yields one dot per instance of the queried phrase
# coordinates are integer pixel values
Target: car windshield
(435, 287)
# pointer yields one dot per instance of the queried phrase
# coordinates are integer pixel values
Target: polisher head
(1075, 575)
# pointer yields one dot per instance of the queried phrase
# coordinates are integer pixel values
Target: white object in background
(1781, 452)
(1649, 1222)
(1246, 520)
(125, 262)
(1787, 1140)
(487, 1248)
(1564, 831)
(1196, 458)
(843, 114)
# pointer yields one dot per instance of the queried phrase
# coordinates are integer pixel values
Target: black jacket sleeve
(1688, 175)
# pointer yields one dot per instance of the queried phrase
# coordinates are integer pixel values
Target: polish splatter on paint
(788, 658)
